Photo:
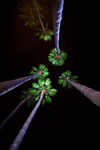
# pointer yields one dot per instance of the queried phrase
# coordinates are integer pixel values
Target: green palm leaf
(42, 69)
(55, 59)
(63, 79)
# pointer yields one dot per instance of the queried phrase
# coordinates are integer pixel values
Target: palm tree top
(42, 69)
(65, 76)
(42, 85)
(55, 59)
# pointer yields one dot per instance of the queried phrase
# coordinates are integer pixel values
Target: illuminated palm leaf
(42, 84)
(55, 59)
(45, 35)
(63, 79)
(42, 69)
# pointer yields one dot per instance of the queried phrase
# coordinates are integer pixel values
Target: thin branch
(13, 112)
(39, 16)
(16, 143)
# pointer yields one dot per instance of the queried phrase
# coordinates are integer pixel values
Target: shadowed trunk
(15, 145)
(39, 16)
(13, 112)
(93, 95)
(7, 86)
(57, 8)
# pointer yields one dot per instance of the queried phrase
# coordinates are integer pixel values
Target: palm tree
(39, 89)
(66, 79)
(57, 57)
(45, 33)
(57, 8)
(39, 72)
(14, 111)
(7, 86)
(93, 95)
(16, 143)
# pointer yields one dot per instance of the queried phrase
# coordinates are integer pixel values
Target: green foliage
(52, 92)
(30, 91)
(45, 35)
(42, 69)
(28, 13)
(44, 84)
(35, 92)
(35, 85)
(30, 102)
(48, 81)
(55, 59)
(30, 21)
(63, 79)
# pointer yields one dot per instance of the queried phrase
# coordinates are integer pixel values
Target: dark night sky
(71, 114)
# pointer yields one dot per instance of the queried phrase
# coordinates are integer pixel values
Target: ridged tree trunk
(15, 145)
(13, 112)
(57, 8)
(93, 95)
(7, 86)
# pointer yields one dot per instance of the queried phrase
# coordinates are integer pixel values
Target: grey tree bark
(93, 95)
(16, 143)
(7, 86)
(57, 8)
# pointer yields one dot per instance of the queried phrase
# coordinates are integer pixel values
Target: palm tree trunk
(93, 95)
(57, 8)
(7, 86)
(16, 143)
(14, 111)
(39, 16)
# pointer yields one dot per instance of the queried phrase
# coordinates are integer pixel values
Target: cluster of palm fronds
(43, 83)
(31, 13)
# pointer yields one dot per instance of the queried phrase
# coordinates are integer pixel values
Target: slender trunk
(16, 143)
(39, 16)
(7, 86)
(93, 95)
(57, 8)
(13, 112)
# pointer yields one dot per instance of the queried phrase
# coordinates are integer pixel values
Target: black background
(71, 114)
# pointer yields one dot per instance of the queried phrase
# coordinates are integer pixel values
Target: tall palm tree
(57, 57)
(7, 86)
(14, 111)
(16, 143)
(66, 79)
(93, 95)
(57, 8)
(44, 33)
